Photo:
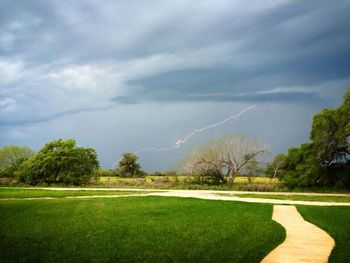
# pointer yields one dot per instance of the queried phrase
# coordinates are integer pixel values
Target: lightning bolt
(194, 132)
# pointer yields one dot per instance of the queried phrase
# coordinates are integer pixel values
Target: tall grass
(190, 182)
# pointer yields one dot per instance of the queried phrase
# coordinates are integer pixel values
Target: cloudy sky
(123, 75)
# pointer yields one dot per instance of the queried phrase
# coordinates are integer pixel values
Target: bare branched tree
(224, 157)
(275, 167)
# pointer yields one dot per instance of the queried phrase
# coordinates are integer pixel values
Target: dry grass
(188, 182)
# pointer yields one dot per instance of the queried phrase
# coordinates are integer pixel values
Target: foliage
(223, 158)
(301, 168)
(128, 166)
(208, 177)
(165, 173)
(326, 160)
(106, 172)
(60, 161)
(330, 134)
(11, 157)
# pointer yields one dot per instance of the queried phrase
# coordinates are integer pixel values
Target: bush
(209, 177)
(60, 161)
(11, 158)
(106, 173)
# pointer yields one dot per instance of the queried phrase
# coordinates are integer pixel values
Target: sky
(120, 76)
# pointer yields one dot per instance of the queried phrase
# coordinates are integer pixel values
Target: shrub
(11, 158)
(60, 161)
(209, 177)
(106, 172)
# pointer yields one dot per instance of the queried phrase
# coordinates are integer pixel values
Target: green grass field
(345, 199)
(335, 221)
(149, 229)
(30, 193)
(136, 229)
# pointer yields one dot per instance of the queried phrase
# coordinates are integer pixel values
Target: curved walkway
(304, 241)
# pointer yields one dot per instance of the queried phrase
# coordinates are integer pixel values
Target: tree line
(324, 161)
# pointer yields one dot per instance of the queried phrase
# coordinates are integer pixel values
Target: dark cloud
(277, 97)
(34, 119)
(67, 59)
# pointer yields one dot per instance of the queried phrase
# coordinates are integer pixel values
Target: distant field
(25, 193)
(180, 178)
(336, 221)
(188, 182)
(136, 229)
(345, 199)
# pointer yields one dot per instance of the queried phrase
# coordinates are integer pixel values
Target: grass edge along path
(304, 242)
(336, 221)
(37, 193)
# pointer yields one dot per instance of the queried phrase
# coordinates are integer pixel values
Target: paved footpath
(200, 194)
(215, 195)
(304, 241)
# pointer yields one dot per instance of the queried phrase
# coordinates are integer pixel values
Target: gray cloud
(279, 97)
(20, 122)
(62, 59)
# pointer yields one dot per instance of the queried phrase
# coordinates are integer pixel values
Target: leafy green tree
(128, 165)
(301, 168)
(11, 157)
(60, 161)
(330, 134)
(326, 160)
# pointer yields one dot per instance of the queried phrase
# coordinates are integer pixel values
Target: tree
(128, 165)
(301, 168)
(276, 167)
(225, 157)
(11, 157)
(330, 134)
(326, 160)
(60, 161)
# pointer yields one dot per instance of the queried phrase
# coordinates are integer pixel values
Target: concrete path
(210, 195)
(304, 241)
(200, 194)
(175, 190)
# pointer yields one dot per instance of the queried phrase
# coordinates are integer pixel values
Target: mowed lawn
(336, 222)
(33, 193)
(136, 229)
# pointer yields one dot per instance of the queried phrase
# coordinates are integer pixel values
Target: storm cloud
(63, 61)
